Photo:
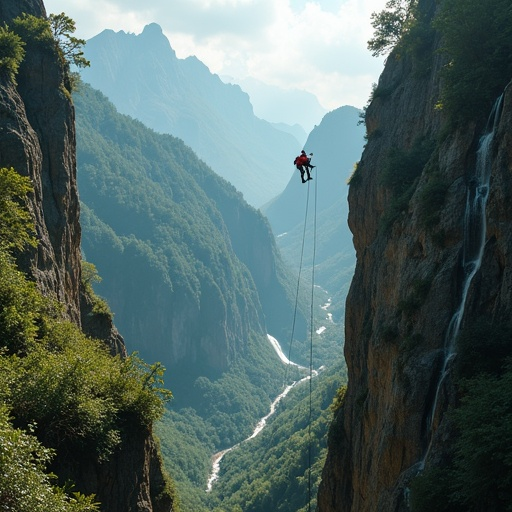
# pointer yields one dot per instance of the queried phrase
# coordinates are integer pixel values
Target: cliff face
(408, 285)
(37, 139)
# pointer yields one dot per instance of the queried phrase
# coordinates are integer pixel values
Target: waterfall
(473, 250)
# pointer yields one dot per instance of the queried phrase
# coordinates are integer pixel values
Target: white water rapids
(261, 424)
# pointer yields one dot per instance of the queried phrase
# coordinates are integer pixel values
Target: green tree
(11, 51)
(477, 42)
(391, 24)
(16, 225)
(483, 452)
(63, 27)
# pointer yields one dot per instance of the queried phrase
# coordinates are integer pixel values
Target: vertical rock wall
(38, 140)
(406, 288)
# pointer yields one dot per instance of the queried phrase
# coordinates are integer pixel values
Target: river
(216, 459)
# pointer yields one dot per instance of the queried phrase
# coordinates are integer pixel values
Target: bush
(24, 485)
(11, 52)
(77, 394)
(89, 276)
(20, 304)
(477, 42)
(34, 30)
(16, 225)
(482, 477)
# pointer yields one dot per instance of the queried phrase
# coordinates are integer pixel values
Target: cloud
(319, 46)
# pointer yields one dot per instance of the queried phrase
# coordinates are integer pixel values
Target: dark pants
(302, 171)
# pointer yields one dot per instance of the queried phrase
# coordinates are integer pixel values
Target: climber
(303, 164)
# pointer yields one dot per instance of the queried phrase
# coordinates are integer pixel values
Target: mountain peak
(155, 39)
(152, 30)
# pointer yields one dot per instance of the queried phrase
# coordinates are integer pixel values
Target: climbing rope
(298, 280)
(310, 434)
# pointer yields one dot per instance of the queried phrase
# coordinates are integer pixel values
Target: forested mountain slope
(143, 77)
(428, 406)
(190, 269)
(76, 414)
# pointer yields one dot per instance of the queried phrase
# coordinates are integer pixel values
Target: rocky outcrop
(408, 285)
(37, 139)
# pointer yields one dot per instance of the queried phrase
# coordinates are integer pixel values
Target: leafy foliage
(477, 41)
(483, 455)
(20, 305)
(56, 382)
(391, 24)
(34, 30)
(54, 34)
(16, 225)
(89, 276)
(62, 27)
(11, 52)
(24, 484)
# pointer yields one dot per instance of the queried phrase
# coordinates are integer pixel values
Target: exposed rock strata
(37, 138)
(394, 334)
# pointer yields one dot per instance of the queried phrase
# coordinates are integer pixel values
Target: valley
(186, 326)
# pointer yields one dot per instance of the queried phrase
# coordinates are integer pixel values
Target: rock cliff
(409, 281)
(37, 138)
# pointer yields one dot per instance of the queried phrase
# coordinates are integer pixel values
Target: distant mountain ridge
(290, 106)
(337, 143)
(143, 77)
(191, 270)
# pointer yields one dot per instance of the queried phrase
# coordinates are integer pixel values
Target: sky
(316, 46)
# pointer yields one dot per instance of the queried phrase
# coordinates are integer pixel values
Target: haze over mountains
(143, 77)
(290, 106)
(337, 143)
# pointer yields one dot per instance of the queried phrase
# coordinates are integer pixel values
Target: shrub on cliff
(54, 34)
(11, 52)
(477, 41)
(24, 484)
(391, 24)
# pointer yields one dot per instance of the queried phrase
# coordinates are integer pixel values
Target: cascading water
(473, 250)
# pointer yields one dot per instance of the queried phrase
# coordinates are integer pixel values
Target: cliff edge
(420, 279)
